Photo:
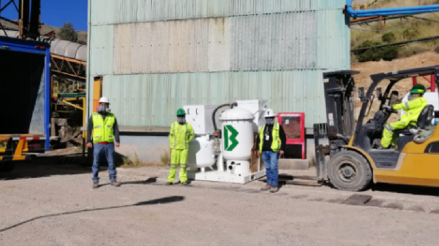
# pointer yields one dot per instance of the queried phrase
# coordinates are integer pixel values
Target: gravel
(63, 209)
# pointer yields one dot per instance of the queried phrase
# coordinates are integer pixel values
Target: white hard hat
(104, 100)
(269, 113)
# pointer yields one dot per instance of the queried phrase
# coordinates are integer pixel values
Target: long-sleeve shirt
(90, 129)
(266, 145)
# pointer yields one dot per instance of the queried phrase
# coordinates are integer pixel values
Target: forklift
(350, 161)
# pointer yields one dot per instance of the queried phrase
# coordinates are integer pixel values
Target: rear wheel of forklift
(7, 166)
(348, 170)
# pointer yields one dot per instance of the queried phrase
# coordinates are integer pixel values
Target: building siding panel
(109, 12)
(155, 55)
(152, 99)
(247, 43)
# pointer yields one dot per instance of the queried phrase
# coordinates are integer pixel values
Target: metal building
(158, 55)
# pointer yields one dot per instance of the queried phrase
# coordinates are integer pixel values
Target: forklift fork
(321, 131)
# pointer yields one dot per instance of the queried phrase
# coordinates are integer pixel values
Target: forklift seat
(423, 121)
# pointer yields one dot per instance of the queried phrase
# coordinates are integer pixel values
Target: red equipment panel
(294, 128)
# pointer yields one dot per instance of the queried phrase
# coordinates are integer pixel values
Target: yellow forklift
(350, 161)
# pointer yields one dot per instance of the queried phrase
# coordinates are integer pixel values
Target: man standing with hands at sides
(103, 126)
(181, 133)
(271, 143)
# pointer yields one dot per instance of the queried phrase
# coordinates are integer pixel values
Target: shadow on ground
(48, 165)
(403, 189)
(163, 200)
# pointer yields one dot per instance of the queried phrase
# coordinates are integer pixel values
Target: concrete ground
(55, 205)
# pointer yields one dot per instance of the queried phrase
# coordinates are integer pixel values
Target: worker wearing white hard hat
(102, 125)
(271, 142)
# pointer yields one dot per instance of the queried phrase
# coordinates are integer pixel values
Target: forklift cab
(353, 161)
(367, 133)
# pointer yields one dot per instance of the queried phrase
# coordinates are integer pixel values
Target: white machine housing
(237, 140)
(232, 165)
(202, 153)
(200, 117)
(257, 108)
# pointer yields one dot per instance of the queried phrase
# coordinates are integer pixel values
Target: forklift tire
(348, 170)
(7, 166)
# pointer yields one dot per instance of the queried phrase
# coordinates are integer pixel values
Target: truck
(25, 86)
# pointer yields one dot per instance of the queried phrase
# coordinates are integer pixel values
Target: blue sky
(56, 12)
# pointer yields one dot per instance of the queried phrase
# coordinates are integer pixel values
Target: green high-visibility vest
(180, 135)
(103, 129)
(276, 143)
(412, 110)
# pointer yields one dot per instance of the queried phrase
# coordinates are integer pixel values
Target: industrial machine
(225, 154)
(350, 161)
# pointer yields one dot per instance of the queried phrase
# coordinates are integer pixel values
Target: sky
(56, 12)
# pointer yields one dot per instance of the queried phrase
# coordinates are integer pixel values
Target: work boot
(95, 185)
(169, 183)
(378, 145)
(266, 187)
(185, 183)
(274, 189)
(115, 183)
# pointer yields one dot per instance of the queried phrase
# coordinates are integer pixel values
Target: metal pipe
(47, 96)
(220, 163)
(72, 105)
(390, 11)
(214, 112)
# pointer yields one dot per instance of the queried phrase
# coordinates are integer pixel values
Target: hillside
(366, 69)
(82, 35)
(401, 29)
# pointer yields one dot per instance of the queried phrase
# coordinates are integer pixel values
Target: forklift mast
(339, 87)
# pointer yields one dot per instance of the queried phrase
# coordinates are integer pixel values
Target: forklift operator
(412, 108)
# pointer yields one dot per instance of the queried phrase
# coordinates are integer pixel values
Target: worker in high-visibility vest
(412, 108)
(181, 133)
(271, 142)
(103, 126)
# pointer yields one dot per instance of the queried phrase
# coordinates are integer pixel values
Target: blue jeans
(100, 152)
(270, 161)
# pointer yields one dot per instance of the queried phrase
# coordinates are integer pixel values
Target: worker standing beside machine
(105, 131)
(181, 133)
(271, 142)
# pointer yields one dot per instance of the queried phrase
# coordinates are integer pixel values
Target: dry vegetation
(403, 29)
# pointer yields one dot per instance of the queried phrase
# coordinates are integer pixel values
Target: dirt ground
(368, 68)
(54, 204)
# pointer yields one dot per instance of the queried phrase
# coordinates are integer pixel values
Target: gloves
(387, 107)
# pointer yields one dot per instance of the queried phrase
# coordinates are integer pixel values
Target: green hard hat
(418, 89)
(180, 112)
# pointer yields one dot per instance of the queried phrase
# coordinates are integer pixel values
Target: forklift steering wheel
(392, 111)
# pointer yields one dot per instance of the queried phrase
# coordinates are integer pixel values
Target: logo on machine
(230, 142)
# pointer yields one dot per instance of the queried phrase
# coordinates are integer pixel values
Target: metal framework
(28, 15)
(68, 66)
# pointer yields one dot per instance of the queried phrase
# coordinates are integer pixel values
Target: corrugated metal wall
(158, 55)
(271, 42)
